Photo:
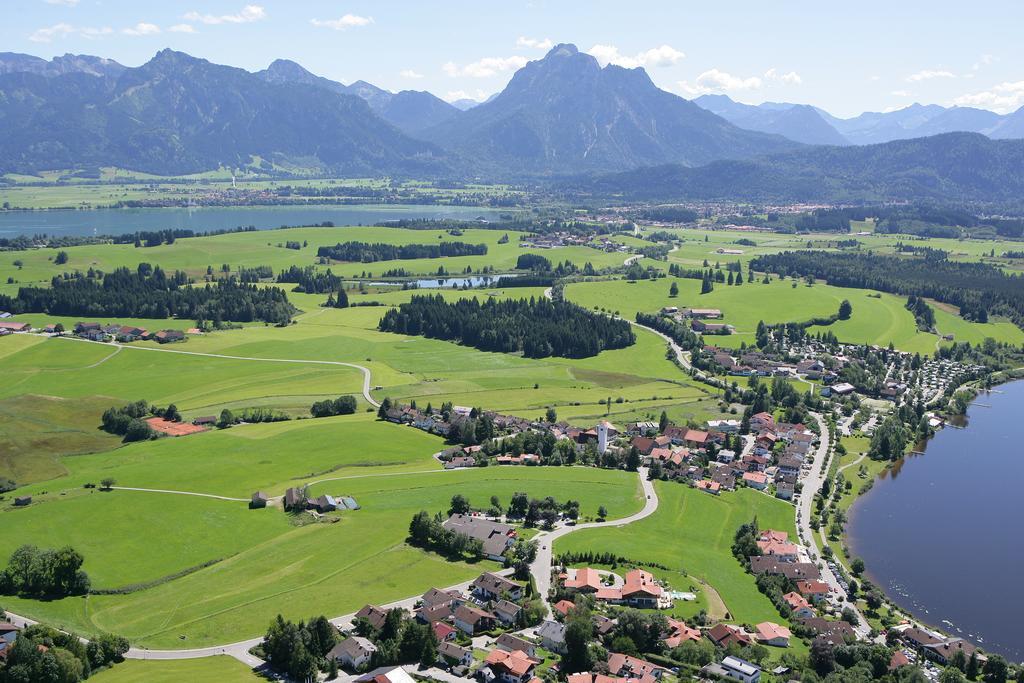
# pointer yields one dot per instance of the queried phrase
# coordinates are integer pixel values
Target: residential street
(812, 482)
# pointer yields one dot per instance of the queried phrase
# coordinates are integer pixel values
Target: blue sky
(864, 56)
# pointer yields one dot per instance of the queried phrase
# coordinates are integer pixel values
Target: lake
(940, 533)
(120, 221)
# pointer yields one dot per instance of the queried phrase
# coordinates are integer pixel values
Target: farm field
(221, 669)
(692, 532)
(875, 320)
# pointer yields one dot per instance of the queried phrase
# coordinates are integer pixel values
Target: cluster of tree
(127, 294)
(300, 650)
(7, 484)
(400, 640)
(310, 280)
(152, 238)
(890, 439)
(636, 271)
(25, 242)
(540, 264)
(541, 443)
(41, 654)
(48, 573)
(127, 421)
(677, 331)
(923, 313)
(544, 512)
(343, 405)
(248, 275)
(339, 299)
(364, 252)
(978, 289)
(827, 220)
(427, 531)
(250, 416)
(537, 327)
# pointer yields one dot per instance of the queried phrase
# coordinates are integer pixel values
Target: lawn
(692, 532)
(220, 669)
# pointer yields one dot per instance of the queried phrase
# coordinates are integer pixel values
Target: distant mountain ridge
(565, 113)
(914, 121)
(14, 62)
(179, 114)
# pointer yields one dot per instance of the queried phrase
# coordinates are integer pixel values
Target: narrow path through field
(851, 464)
(104, 360)
(180, 493)
(366, 371)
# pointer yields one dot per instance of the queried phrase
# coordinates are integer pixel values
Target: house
(725, 426)
(633, 667)
(435, 597)
(779, 548)
(711, 487)
(460, 461)
(724, 477)
(490, 586)
(12, 326)
(128, 333)
(472, 620)
(695, 438)
(259, 500)
(834, 632)
(799, 605)
(496, 537)
(679, 633)
(374, 615)
(8, 634)
(756, 480)
(770, 633)
(741, 670)
(511, 643)
(760, 564)
(725, 456)
(552, 636)
(443, 632)
(676, 434)
(385, 674)
(354, 652)
(563, 607)
(815, 591)
(898, 660)
(22, 501)
(585, 580)
(724, 635)
(506, 611)
(643, 444)
(843, 389)
(785, 490)
(642, 590)
(454, 655)
(602, 624)
(294, 500)
(326, 503)
(510, 667)
(704, 313)
(943, 652)
(205, 421)
(169, 336)
(761, 422)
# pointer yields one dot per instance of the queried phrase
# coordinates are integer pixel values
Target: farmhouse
(12, 326)
(22, 501)
(703, 313)
(496, 537)
(168, 336)
(259, 500)
(294, 500)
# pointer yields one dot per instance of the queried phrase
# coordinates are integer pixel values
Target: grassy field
(692, 532)
(222, 669)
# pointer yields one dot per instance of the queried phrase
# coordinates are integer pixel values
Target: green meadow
(220, 669)
(691, 533)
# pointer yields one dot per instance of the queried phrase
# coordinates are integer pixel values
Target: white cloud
(410, 73)
(486, 67)
(790, 78)
(141, 29)
(929, 74)
(716, 80)
(62, 30)
(65, 3)
(666, 55)
(182, 28)
(1002, 98)
(342, 23)
(901, 93)
(534, 43)
(248, 14)
(984, 60)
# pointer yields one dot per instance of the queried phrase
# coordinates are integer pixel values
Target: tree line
(126, 294)
(44, 573)
(365, 252)
(310, 280)
(537, 327)
(978, 289)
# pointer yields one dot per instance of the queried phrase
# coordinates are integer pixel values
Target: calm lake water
(120, 221)
(942, 531)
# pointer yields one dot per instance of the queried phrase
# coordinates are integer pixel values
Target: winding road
(540, 569)
(366, 371)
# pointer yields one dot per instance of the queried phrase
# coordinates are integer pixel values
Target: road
(366, 371)
(812, 482)
(180, 493)
(540, 569)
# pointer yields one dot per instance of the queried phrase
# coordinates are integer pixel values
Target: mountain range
(560, 116)
(815, 126)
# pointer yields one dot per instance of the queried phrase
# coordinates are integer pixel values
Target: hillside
(178, 114)
(566, 114)
(950, 167)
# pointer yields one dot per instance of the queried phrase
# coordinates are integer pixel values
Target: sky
(863, 56)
